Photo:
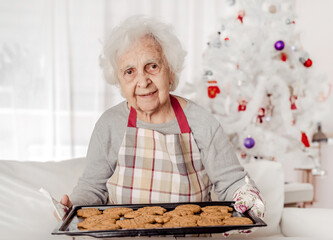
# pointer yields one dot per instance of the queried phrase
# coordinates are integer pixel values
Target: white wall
(315, 22)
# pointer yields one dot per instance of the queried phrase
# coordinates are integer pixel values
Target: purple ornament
(249, 142)
(279, 45)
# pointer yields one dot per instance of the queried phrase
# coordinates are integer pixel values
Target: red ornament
(308, 63)
(283, 57)
(292, 100)
(213, 89)
(241, 14)
(305, 140)
(240, 18)
(261, 115)
(242, 105)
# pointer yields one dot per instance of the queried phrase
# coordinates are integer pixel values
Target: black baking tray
(69, 224)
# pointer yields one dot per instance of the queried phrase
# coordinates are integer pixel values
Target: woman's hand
(66, 202)
(246, 198)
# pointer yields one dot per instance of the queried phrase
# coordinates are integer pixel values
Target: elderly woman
(156, 147)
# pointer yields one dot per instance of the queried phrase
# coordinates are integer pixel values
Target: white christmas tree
(260, 84)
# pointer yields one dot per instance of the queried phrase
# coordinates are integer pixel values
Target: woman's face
(144, 76)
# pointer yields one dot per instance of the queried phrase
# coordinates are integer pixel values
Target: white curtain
(51, 87)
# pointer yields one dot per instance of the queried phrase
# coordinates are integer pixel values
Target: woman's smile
(147, 95)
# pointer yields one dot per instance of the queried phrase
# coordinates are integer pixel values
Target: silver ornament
(302, 60)
(217, 43)
(231, 2)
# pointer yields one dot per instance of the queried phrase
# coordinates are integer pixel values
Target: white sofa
(26, 214)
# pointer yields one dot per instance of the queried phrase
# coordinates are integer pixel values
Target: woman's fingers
(65, 201)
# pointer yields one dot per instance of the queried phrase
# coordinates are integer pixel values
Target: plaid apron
(158, 168)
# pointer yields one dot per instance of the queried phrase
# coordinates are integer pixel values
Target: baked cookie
(156, 210)
(112, 215)
(192, 207)
(178, 213)
(216, 209)
(155, 225)
(108, 221)
(133, 214)
(162, 219)
(216, 215)
(88, 212)
(129, 224)
(209, 222)
(172, 224)
(144, 219)
(182, 221)
(237, 221)
(117, 210)
(191, 217)
(94, 220)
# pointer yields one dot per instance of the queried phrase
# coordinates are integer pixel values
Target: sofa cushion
(269, 178)
(25, 212)
(298, 192)
(307, 222)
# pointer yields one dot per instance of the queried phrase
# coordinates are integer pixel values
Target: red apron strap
(132, 118)
(180, 115)
(181, 118)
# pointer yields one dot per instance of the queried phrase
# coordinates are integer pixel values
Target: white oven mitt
(248, 198)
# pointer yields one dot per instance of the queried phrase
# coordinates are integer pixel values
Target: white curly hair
(132, 30)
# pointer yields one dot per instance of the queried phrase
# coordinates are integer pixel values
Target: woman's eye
(152, 68)
(129, 74)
